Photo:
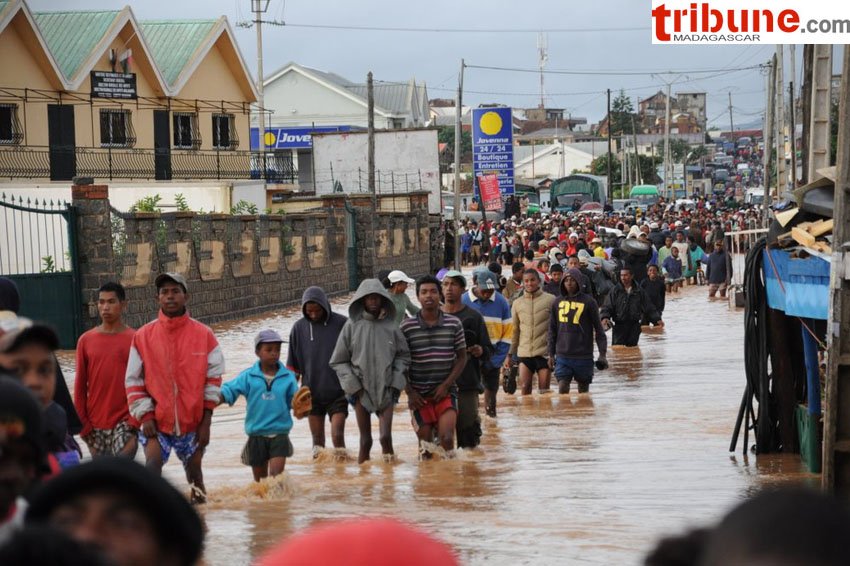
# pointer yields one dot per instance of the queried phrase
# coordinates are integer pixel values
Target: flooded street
(590, 479)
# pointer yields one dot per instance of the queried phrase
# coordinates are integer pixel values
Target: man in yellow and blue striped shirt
(484, 297)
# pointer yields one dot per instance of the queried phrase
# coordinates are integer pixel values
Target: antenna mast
(542, 59)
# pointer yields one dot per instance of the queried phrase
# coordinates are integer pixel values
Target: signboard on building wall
(493, 145)
(105, 84)
(292, 138)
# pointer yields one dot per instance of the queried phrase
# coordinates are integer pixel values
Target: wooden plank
(821, 228)
(785, 236)
(802, 237)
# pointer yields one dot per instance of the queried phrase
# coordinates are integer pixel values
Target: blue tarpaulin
(798, 286)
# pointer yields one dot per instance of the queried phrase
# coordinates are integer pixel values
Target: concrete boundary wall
(238, 266)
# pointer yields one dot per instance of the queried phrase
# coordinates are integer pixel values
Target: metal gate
(39, 253)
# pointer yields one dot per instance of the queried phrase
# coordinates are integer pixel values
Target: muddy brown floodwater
(558, 479)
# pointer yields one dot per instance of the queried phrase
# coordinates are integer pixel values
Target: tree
(622, 115)
(446, 134)
(679, 150)
(648, 169)
(696, 153)
(599, 166)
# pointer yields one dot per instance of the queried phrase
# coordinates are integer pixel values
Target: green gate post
(351, 249)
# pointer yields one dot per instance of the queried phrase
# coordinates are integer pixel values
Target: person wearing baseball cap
(269, 388)
(27, 353)
(174, 354)
(597, 249)
(127, 512)
(485, 297)
(398, 293)
(10, 304)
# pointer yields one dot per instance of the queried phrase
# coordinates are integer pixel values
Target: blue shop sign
(493, 145)
(293, 138)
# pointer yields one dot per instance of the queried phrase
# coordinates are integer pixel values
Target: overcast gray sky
(435, 57)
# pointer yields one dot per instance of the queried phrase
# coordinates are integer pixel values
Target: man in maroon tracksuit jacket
(572, 325)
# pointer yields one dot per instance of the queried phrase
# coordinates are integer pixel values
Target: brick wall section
(239, 266)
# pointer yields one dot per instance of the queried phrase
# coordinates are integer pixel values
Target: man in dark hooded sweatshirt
(627, 305)
(573, 326)
(311, 342)
(371, 359)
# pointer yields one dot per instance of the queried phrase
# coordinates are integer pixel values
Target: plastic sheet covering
(800, 287)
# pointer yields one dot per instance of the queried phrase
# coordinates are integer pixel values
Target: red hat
(376, 542)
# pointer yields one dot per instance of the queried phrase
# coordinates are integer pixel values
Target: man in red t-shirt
(99, 394)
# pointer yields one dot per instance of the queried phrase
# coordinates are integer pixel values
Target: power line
(467, 30)
(613, 72)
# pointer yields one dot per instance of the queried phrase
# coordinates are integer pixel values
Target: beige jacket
(531, 324)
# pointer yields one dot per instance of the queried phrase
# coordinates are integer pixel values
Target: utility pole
(731, 124)
(261, 127)
(792, 126)
(806, 108)
(836, 430)
(610, 180)
(458, 134)
(627, 170)
(668, 155)
(768, 138)
(637, 158)
(370, 133)
(623, 172)
(792, 118)
(260, 7)
(781, 181)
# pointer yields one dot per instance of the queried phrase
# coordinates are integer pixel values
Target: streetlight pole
(260, 7)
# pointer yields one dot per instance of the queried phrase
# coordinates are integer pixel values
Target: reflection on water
(593, 478)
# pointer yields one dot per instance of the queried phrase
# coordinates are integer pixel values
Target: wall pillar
(94, 246)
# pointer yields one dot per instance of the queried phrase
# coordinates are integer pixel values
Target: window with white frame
(116, 128)
(186, 133)
(11, 132)
(224, 131)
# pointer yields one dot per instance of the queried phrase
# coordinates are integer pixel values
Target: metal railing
(33, 236)
(34, 162)
(738, 243)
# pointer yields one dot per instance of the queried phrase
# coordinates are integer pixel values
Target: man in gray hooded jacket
(371, 358)
(311, 342)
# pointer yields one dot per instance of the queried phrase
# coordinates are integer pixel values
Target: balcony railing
(41, 162)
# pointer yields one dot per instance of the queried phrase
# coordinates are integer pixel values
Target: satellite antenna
(542, 59)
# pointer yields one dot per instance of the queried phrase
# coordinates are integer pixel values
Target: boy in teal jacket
(269, 387)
